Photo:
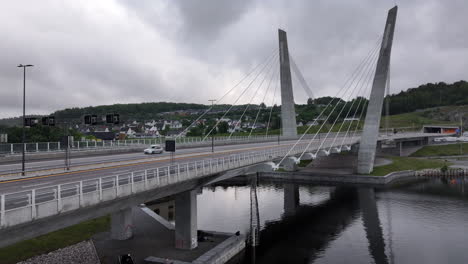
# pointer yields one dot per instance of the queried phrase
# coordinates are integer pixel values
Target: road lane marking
(35, 185)
(206, 154)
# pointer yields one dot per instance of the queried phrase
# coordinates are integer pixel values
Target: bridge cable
(350, 78)
(359, 71)
(361, 99)
(242, 93)
(272, 105)
(263, 100)
(362, 83)
(230, 90)
(251, 99)
(364, 107)
(363, 73)
(387, 101)
(300, 77)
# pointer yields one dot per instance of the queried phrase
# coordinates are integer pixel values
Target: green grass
(405, 163)
(304, 163)
(414, 119)
(53, 241)
(442, 150)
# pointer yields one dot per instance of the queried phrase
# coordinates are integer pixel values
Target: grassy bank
(405, 163)
(52, 241)
(442, 150)
(304, 163)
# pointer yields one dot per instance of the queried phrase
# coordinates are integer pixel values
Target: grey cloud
(123, 51)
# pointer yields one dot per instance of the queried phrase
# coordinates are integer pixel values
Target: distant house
(160, 126)
(312, 123)
(3, 138)
(150, 123)
(300, 124)
(234, 129)
(152, 131)
(130, 132)
(442, 129)
(175, 124)
(351, 119)
(176, 132)
(227, 120)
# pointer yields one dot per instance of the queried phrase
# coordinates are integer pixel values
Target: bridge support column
(291, 198)
(186, 220)
(370, 133)
(122, 224)
(288, 112)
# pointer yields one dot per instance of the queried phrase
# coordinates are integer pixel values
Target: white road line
(35, 185)
(121, 172)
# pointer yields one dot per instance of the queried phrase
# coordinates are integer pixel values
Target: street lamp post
(461, 129)
(212, 138)
(23, 171)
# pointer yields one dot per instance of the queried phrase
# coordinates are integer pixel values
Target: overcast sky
(126, 51)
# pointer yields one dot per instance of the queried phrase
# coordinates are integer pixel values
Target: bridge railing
(16, 148)
(25, 206)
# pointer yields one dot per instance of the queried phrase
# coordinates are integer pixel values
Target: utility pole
(461, 130)
(212, 137)
(23, 170)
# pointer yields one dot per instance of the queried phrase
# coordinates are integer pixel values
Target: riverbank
(454, 149)
(407, 163)
(53, 241)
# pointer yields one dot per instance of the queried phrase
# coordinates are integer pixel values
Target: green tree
(223, 127)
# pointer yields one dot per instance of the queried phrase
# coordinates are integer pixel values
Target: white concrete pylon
(370, 133)
(288, 112)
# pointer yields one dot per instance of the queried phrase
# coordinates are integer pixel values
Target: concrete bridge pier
(186, 220)
(122, 224)
(291, 198)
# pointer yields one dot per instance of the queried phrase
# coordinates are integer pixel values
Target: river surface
(300, 223)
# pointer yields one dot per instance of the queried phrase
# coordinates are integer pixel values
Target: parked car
(154, 149)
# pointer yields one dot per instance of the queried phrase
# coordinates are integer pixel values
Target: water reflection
(291, 198)
(372, 225)
(300, 223)
(300, 237)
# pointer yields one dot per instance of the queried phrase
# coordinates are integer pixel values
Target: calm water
(421, 223)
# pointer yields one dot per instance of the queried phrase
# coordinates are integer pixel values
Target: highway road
(140, 161)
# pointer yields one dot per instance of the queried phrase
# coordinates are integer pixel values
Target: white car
(154, 149)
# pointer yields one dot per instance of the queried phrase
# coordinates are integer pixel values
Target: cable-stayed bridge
(104, 185)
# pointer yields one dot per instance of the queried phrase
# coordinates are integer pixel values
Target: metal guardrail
(25, 206)
(16, 148)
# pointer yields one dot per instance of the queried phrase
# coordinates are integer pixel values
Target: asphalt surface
(18, 191)
(141, 162)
